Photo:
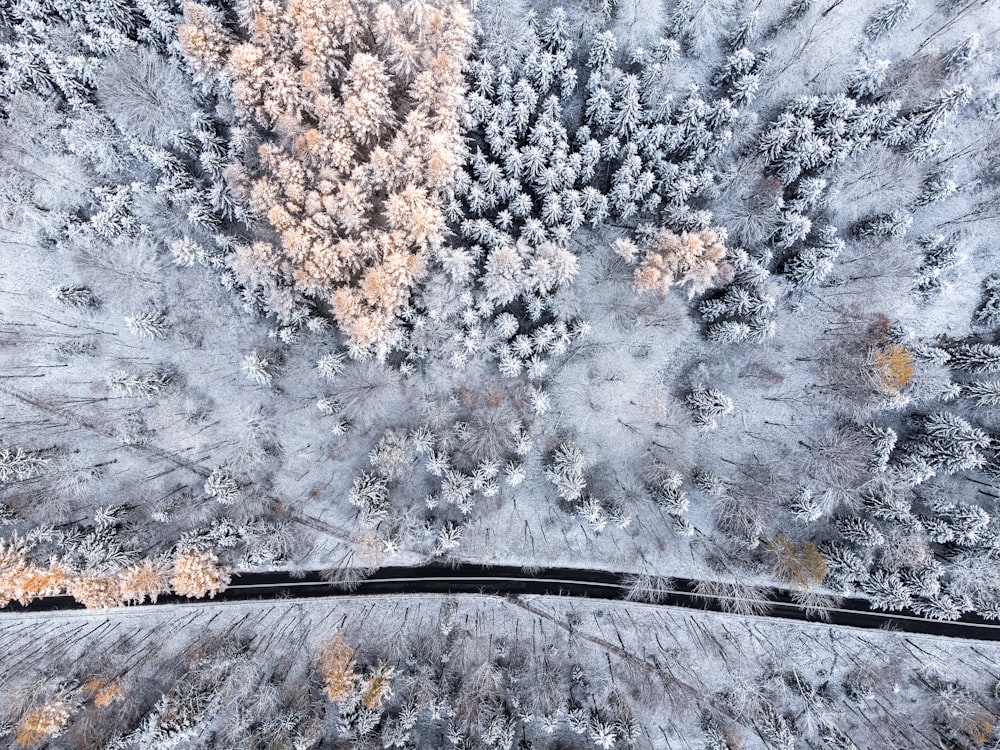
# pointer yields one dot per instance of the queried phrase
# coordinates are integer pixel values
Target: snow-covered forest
(483, 673)
(695, 288)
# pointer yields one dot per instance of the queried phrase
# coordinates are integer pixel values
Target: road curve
(504, 580)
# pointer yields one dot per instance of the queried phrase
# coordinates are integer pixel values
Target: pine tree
(894, 224)
(567, 472)
(962, 56)
(151, 324)
(948, 442)
(602, 51)
(627, 109)
(887, 18)
(983, 392)
(869, 78)
(139, 384)
(75, 296)
(887, 591)
(707, 405)
(989, 311)
(258, 367)
(19, 464)
(860, 531)
(976, 358)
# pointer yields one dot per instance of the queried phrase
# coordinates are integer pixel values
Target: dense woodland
(669, 287)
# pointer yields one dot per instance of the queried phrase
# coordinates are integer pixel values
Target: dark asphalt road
(513, 581)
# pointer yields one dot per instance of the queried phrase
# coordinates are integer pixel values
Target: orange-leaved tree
(336, 667)
(893, 366)
(198, 574)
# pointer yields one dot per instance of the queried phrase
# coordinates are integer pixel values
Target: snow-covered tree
(695, 260)
(707, 405)
(198, 574)
(886, 18)
(567, 471)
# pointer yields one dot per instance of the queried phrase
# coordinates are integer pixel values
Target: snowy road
(513, 581)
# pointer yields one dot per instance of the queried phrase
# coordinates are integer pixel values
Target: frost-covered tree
(567, 472)
(886, 18)
(694, 260)
(707, 405)
(976, 358)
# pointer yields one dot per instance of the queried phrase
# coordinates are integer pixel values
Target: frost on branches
(360, 110)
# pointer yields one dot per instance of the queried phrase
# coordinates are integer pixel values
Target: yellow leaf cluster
(893, 367)
(377, 687)
(103, 692)
(44, 722)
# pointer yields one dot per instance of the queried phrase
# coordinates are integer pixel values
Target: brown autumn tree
(800, 565)
(96, 591)
(146, 579)
(360, 108)
(47, 720)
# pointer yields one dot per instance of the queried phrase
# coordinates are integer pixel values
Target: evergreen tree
(887, 18)
(976, 358)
